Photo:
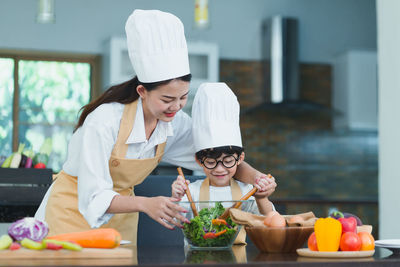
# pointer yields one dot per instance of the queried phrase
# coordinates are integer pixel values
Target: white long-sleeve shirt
(90, 148)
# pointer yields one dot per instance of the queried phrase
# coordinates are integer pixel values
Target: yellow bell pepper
(328, 232)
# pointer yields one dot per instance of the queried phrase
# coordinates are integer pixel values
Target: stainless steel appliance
(280, 58)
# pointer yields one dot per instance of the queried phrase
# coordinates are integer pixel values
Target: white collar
(138, 134)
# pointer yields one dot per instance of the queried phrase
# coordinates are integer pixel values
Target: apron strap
(205, 190)
(125, 128)
(235, 189)
(160, 149)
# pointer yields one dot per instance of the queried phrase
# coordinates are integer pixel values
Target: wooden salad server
(189, 196)
(225, 215)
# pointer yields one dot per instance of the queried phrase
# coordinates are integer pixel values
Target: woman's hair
(216, 152)
(123, 93)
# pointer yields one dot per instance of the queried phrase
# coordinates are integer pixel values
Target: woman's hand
(265, 183)
(164, 211)
(178, 187)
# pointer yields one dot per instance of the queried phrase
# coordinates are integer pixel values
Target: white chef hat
(156, 45)
(215, 114)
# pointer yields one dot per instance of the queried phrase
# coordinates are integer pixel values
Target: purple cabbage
(28, 227)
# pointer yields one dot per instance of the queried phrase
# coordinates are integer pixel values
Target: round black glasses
(227, 162)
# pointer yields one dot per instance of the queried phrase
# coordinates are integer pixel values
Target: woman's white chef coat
(90, 147)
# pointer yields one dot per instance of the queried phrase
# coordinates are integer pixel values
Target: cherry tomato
(367, 241)
(15, 246)
(39, 165)
(312, 242)
(350, 242)
(209, 236)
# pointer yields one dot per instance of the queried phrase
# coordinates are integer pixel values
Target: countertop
(239, 255)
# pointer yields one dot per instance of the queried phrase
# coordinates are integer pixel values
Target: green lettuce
(201, 224)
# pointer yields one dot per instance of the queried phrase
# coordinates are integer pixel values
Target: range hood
(281, 83)
(280, 60)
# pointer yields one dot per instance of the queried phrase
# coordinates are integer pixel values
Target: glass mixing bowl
(207, 231)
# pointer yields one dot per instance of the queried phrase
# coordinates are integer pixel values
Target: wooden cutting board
(85, 253)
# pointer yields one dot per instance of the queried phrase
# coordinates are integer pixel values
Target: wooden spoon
(189, 196)
(225, 215)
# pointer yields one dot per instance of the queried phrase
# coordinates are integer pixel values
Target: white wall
(326, 27)
(389, 117)
(4, 228)
(355, 92)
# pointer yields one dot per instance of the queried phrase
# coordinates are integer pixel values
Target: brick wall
(316, 167)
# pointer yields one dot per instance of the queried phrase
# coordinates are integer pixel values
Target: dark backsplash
(316, 167)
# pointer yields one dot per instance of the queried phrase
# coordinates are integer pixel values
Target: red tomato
(15, 246)
(367, 241)
(39, 165)
(209, 235)
(312, 242)
(348, 224)
(350, 242)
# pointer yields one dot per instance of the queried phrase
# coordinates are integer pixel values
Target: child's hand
(266, 186)
(179, 186)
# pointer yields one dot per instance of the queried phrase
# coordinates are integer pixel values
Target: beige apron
(62, 213)
(204, 195)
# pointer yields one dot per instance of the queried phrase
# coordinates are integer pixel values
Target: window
(40, 97)
(6, 99)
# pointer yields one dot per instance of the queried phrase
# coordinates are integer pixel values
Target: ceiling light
(45, 11)
(201, 20)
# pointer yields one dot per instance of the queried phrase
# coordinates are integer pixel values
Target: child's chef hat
(215, 114)
(156, 45)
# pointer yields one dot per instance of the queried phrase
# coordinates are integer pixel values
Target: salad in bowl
(208, 230)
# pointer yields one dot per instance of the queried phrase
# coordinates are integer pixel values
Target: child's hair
(216, 152)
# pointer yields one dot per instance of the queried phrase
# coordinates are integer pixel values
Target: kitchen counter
(239, 255)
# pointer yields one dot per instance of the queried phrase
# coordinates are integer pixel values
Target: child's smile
(220, 175)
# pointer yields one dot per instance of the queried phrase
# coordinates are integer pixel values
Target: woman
(122, 136)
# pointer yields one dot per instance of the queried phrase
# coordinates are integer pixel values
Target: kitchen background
(322, 148)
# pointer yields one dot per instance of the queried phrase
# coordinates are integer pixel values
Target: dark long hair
(123, 93)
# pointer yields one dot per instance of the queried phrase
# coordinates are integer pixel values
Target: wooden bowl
(364, 228)
(279, 239)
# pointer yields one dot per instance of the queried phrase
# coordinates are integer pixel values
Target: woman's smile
(170, 115)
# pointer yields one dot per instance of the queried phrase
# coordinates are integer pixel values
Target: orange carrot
(95, 238)
(220, 233)
(218, 221)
